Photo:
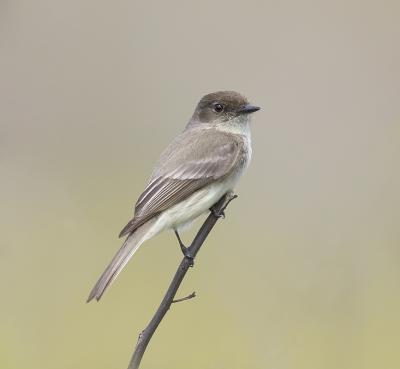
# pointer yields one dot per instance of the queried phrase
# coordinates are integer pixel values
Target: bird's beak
(247, 109)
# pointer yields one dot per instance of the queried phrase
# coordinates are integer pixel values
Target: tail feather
(121, 258)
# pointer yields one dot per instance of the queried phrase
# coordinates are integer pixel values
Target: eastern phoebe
(202, 164)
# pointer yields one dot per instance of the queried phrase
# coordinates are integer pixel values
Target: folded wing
(195, 159)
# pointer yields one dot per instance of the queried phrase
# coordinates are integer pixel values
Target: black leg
(181, 244)
(185, 250)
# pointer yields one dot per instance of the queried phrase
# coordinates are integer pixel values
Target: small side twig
(193, 294)
(147, 333)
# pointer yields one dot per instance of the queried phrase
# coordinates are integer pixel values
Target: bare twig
(193, 294)
(147, 333)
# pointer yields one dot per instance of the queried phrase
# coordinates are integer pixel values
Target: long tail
(121, 258)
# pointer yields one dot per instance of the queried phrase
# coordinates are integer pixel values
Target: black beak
(247, 109)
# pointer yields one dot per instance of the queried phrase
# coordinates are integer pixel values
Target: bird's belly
(182, 214)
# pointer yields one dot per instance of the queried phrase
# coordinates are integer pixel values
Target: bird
(202, 164)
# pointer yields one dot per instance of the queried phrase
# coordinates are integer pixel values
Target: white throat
(239, 125)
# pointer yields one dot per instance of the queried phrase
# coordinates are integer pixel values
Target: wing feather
(191, 162)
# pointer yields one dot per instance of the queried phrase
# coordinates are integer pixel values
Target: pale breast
(240, 129)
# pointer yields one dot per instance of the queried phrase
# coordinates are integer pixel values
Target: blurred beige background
(303, 273)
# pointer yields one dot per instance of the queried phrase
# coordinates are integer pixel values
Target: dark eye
(218, 108)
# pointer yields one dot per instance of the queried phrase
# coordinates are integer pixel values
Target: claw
(220, 214)
(190, 258)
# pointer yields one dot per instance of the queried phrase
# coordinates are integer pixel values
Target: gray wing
(194, 159)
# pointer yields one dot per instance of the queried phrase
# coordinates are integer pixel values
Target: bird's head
(223, 107)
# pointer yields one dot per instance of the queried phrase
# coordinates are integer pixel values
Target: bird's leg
(221, 214)
(181, 244)
(185, 250)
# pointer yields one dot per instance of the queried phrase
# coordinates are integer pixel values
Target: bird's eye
(218, 108)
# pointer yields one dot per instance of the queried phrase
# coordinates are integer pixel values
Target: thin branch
(193, 294)
(147, 333)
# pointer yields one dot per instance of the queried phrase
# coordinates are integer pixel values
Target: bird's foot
(217, 214)
(190, 257)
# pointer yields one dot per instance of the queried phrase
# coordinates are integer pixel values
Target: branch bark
(147, 333)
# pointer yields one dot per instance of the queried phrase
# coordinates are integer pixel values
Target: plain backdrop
(304, 271)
